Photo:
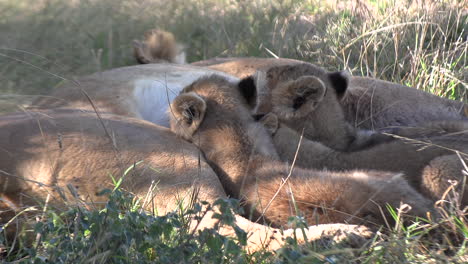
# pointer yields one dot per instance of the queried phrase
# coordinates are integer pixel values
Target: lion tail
(158, 46)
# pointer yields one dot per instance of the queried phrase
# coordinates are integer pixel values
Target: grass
(122, 232)
(419, 44)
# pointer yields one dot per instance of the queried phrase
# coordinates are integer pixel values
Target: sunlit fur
(321, 196)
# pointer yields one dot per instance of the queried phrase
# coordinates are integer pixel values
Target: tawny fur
(440, 181)
(308, 104)
(113, 91)
(116, 91)
(249, 174)
(369, 103)
(158, 46)
(46, 150)
(427, 168)
(320, 119)
(49, 152)
(243, 67)
(326, 132)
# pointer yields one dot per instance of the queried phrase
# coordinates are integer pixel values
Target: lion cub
(309, 106)
(214, 115)
(368, 103)
(305, 104)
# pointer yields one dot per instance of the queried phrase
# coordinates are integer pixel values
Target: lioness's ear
(187, 112)
(339, 81)
(248, 90)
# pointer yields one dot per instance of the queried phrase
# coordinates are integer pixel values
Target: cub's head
(294, 91)
(297, 98)
(209, 103)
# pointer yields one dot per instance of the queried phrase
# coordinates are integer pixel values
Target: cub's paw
(270, 122)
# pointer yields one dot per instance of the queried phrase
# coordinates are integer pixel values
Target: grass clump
(122, 233)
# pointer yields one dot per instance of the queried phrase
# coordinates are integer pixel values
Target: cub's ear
(339, 81)
(310, 91)
(271, 123)
(186, 114)
(248, 90)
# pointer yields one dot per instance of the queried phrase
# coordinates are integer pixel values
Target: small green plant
(121, 233)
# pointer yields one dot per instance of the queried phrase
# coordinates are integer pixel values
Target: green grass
(420, 45)
(122, 232)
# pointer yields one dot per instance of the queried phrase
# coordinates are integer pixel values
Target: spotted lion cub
(214, 115)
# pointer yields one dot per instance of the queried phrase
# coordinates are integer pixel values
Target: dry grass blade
(284, 181)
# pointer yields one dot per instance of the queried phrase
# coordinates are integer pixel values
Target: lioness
(53, 152)
(140, 91)
(214, 115)
(310, 105)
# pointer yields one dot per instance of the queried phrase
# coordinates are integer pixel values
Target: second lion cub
(311, 104)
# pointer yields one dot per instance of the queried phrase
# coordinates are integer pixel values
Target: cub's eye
(298, 102)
